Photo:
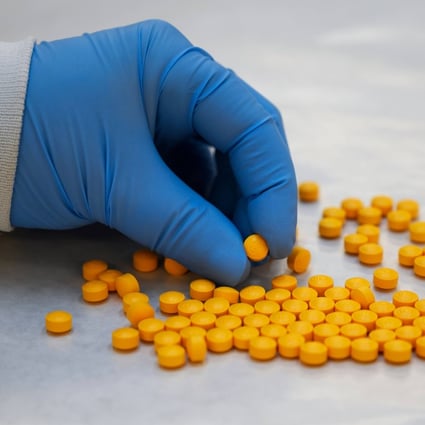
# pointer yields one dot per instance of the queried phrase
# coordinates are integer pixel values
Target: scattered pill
(294, 306)
(228, 321)
(369, 215)
(177, 323)
(371, 231)
(409, 205)
(337, 293)
(408, 253)
(58, 322)
(371, 253)
(272, 330)
(256, 247)
(398, 220)
(419, 266)
(363, 295)
(409, 333)
(171, 356)
(133, 297)
(320, 283)
(189, 307)
(353, 331)
(383, 203)
(420, 306)
(308, 191)
(405, 297)
(305, 293)
(315, 317)
(353, 241)
(125, 339)
(351, 207)
(324, 304)
(420, 347)
(303, 328)
(201, 289)
(283, 318)
(285, 281)
(382, 308)
(109, 276)
(266, 307)
(356, 282)
(92, 268)
(278, 295)
(299, 259)
(165, 338)
(366, 318)
(149, 327)
(138, 311)
(324, 330)
(256, 320)
(347, 306)
(313, 353)
(196, 348)
(145, 260)
(126, 283)
(406, 314)
(174, 268)
(338, 318)
(190, 331)
(397, 351)
(170, 300)
(95, 291)
(241, 309)
(388, 322)
(330, 228)
(203, 319)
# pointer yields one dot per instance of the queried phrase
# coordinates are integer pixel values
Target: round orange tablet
(278, 295)
(196, 348)
(353, 241)
(369, 215)
(335, 212)
(382, 308)
(408, 253)
(320, 283)
(337, 293)
(347, 306)
(324, 330)
(338, 318)
(218, 306)
(381, 336)
(388, 322)
(351, 207)
(125, 339)
(303, 328)
(417, 231)
(164, 338)
(294, 306)
(313, 353)
(272, 330)
(299, 259)
(330, 228)
(409, 205)
(266, 307)
(145, 260)
(231, 294)
(356, 282)
(203, 319)
(201, 289)
(289, 345)
(405, 297)
(189, 307)
(364, 350)
(283, 318)
(171, 356)
(177, 323)
(304, 293)
(397, 351)
(219, 340)
(242, 336)
(58, 322)
(190, 331)
(285, 281)
(91, 269)
(371, 231)
(138, 311)
(169, 301)
(228, 321)
(149, 327)
(241, 309)
(174, 268)
(324, 304)
(371, 253)
(420, 306)
(363, 295)
(315, 317)
(126, 283)
(338, 346)
(366, 318)
(420, 347)
(95, 291)
(308, 191)
(262, 348)
(353, 330)
(109, 276)
(133, 297)
(419, 266)
(398, 220)
(385, 278)
(256, 320)
(256, 247)
(409, 333)
(383, 203)
(251, 294)
(406, 314)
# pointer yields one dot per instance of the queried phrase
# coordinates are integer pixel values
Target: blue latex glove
(115, 121)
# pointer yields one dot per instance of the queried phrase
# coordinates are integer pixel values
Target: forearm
(14, 67)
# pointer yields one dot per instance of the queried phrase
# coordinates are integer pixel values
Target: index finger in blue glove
(214, 103)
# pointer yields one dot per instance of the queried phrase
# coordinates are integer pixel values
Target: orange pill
(419, 266)
(420, 306)
(266, 307)
(174, 268)
(366, 318)
(299, 259)
(285, 281)
(382, 308)
(405, 297)
(398, 220)
(324, 304)
(315, 317)
(408, 333)
(371, 253)
(408, 253)
(283, 318)
(353, 241)
(388, 322)
(231, 294)
(125, 339)
(169, 301)
(294, 306)
(126, 283)
(383, 203)
(251, 294)
(278, 295)
(149, 327)
(191, 331)
(304, 293)
(256, 320)
(95, 291)
(133, 297)
(218, 306)
(256, 247)
(313, 353)
(272, 330)
(356, 282)
(351, 207)
(241, 309)
(262, 348)
(177, 323)
(338, 346)
(189, 307)
(417, 231)
(334, 212)
(338, 318)
(337, 293)
(91, 269)
(406, 314)
(385, 278)
(320, 283)
(109, 276)
(409, 205)
(420, 323)
(371, 231)
(308, 191)
(330, 228)
(364, 350)
(138, 311)
(219, 340)
(242, 336)
(353, 330)
(347, 306)
(369, 215)
(301, 327)
(324, 330)
(227, 321)
(203, 319)
(381, 336)
(289, 345)
(201, 289)
(196, 347)
(145, 260)
(364, 296)
(420, 347)
(397, 351)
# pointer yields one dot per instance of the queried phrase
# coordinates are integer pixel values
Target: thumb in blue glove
(112, 124)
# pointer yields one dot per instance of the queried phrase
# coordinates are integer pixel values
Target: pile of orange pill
(314, 323)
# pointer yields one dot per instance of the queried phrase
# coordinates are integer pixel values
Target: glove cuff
(15, 60)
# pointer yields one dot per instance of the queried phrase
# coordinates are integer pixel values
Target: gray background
(349, 78)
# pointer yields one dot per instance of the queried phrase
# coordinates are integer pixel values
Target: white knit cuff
(15, 60)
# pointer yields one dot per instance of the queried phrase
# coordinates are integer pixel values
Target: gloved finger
(214, 103)
(155, 208)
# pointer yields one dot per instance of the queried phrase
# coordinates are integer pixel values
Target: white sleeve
(15, 60)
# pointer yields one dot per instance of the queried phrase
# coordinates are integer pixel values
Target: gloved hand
(116, 121)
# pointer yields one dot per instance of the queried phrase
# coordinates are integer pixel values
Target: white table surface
(349, 78)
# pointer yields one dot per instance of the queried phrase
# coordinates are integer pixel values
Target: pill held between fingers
(145, 260)
(92, 268)
(256, 247)
(58, 322)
